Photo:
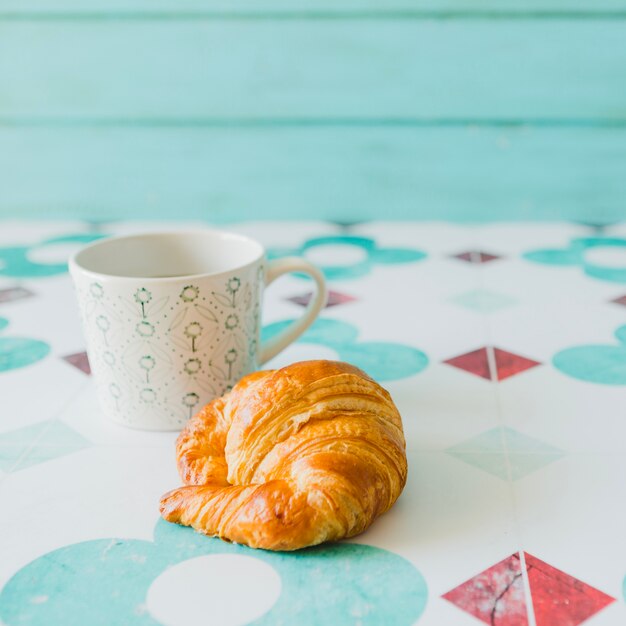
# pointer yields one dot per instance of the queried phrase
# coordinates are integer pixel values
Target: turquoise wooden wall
(344, 109)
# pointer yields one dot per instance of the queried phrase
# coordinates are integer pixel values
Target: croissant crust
(290, 458)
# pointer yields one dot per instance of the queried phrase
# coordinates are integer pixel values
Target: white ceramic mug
(172, 320)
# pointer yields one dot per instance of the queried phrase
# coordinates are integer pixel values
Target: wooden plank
(176, 7)
(326, 172)
(307, 68)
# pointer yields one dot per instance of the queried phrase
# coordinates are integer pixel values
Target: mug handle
(277, 268)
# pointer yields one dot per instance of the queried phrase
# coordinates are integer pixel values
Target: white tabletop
(497, 342)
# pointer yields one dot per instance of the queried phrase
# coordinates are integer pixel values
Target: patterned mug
(172, 320)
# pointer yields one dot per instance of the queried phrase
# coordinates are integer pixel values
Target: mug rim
(75, 267)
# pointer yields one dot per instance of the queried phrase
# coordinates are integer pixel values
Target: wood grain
(305, 7)
(384, 69)
(438, 109)
(222, 174)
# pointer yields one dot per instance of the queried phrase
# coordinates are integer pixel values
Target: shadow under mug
(172, 320)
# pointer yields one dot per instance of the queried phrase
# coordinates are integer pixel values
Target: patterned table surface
(504, 346)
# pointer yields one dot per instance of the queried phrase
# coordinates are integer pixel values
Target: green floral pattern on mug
(167, 353)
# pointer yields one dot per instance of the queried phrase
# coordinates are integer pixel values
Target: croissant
(290, 458)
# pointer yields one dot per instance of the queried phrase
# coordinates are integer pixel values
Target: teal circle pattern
(374, 255)
(601, 364)
(383, 361)
(574, 255)
(16, 352)
(15, 262)
(106, 582)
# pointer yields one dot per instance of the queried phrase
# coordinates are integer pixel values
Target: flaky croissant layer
(290, 458)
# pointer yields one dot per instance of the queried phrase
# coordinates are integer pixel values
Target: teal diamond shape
(37, 443)
(497, 450)
(483, 300)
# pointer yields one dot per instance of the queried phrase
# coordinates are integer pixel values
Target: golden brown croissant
(290, 458)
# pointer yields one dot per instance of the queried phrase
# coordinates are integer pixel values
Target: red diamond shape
(476, 256)
(347, 224)
(621, 300)
(559, 598)
(80, 361)
(334, 298)
(479, 363)
(598, 226)
(496, 596)
(14, 293)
